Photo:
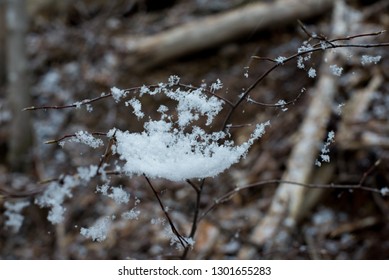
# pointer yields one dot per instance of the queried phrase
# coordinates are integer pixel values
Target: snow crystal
(367, 59)
(144, 90)
(99, 231)
(173, 80)
(281, 103)
(305, 48)
(111, 132)
(87, 139)
(78, 104)
(324, 157)
(336, 70)
(311, 73)
(132, 214)
(300, 62)
(324, 45)
(258, 132)
(89, 108)
(339, 109)
(137, 106)
(117, 193)
(216, 85)
(280, 59)
(158, 221)
(246, 72)
(162, 109)
(384, 191)
(117, 94)
(87, 173)
(14, 219)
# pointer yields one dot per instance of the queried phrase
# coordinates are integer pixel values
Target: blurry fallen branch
(286, 208)
(145, 53)
(354, 226)
(355, 130)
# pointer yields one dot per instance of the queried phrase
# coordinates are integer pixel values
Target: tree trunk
(20, 133)
(2, 44)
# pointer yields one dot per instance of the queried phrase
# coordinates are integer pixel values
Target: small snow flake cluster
(137, 106)
(282, 104)
(324, 157)
(100, 229)
(14, 218)
(119, 195)
(118, 94)
(280, 59)
(385, 191)
(85, 138)
(368, 59)
(311, 73)
(306, 54)
(336, 70)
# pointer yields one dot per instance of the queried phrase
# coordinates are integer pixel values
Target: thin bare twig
(180, 238)
(54, 141)
(74, 105)
(198, 190)
(107, 152)
(133, 89)
(226, 197)
(252, 101)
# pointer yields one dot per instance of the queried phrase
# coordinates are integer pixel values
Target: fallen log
(147, 52)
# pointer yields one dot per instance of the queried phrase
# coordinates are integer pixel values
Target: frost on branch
(86, 138)
(174, 149)
(324, 157)
(117, 94)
